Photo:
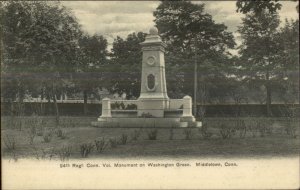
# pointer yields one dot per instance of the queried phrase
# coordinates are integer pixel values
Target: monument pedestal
(153, 100)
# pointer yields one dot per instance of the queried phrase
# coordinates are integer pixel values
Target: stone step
(144, 122)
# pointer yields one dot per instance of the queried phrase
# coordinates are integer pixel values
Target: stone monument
(153, 98)
(154, 107)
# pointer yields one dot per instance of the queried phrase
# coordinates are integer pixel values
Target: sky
(120, 18)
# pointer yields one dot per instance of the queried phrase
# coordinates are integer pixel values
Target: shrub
(250, 126)
(47, 137)
(36, 123)
(31, 138)
(146, 115)
(60, 133)
(39, 131)
(262, 131)
(253, 130)
(293, 123)
(115, 105)
(204, 132)
(14, 156)
(113, 142)
(64, 153)
(122, 105)
(86, 149)
(63, 125)
(18, 125)
(52, 153)
(63, 136)
(74, 125)
(265, 127)
(269, 130)
(10, 142)
(11, 123)
(32, 133)
(227, 132)
(32, 129)
(131, 107)
(44, 154)
(262, 127)
(100, 145)
(135, 135)
(241, 127)
(123, 139)
(224, 133)
(290, 130)
(152, 134)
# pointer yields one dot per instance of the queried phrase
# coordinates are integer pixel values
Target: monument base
(152, 106)
(144, 122)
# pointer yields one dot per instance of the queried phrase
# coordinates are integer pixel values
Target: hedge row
(77, 109)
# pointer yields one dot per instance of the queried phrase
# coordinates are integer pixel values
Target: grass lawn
(278, 143)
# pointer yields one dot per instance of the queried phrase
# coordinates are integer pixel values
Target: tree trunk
(269, 95)
(195, 88)
(238, 107)
(85, 95)
(11, 113)
(55, 106)
(42, 98)
(56, 109)
(202, 98)
(20, 102)
(48, 109)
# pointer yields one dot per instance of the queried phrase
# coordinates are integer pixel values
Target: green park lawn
(77, 132)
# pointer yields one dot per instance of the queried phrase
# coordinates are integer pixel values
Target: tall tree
(246, 6)
(40, 39)
(194, 41)
(288, 77)
(126, 59)
(93, 58)
(259, 49)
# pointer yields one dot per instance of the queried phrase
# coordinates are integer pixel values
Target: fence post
(187, 106)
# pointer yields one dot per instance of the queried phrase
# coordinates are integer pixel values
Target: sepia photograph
(170, 94)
